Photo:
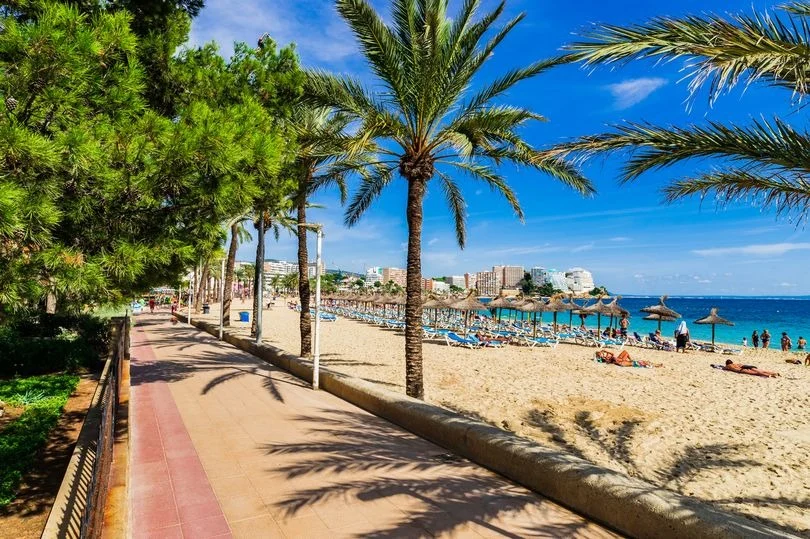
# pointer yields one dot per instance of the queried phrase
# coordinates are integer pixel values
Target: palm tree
(322, 161)
(239, 234)
(274, 219)
(429, 124)
(768, 158)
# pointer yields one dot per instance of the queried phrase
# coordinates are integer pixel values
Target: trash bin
(244, 316)
(206, 308)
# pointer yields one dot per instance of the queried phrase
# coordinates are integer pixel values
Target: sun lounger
(531, 342)
(452, 339)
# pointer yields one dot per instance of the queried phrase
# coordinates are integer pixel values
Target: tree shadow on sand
(688, 465)
(361, 457)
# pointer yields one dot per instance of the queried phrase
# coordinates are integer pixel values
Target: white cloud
(620, 239)
(787, 285)
(633, 91)
(432, 242)
(582, 248)
(704, 281)
(762, 249)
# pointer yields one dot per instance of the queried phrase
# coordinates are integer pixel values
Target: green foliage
(599, 291)
(527, 285)
(455, 289)
(546, 290)
(21, 440)
(764, 161)
(390, 288)
(37, 343)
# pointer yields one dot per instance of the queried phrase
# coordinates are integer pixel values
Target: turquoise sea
(776, 314)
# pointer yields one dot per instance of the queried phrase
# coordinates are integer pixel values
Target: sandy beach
(737, 441)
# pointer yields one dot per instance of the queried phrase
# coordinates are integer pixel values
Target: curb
(628, 505)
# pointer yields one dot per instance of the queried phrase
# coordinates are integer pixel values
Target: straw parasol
(532, 306)
(557, 305)
(714, 319)
(432, 302)
(661, 309)
(467, 304)
(599, 308)
(500, 302)
(616, 310)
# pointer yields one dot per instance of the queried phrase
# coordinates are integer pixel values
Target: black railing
(93, 517)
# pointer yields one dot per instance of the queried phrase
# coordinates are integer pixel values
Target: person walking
(786, 343)
(681, 337)
(766, 339)
(802, 343)
(755, 339)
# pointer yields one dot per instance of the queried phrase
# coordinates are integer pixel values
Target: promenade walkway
(225, 445)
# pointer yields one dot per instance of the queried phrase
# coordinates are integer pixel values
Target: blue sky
(630, 240)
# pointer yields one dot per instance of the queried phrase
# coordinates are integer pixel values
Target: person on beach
(745, 342)
(624, 324)
(151, 305)
(755, 339)
(748, 369)
(623, 360)
(681, 337)
(801, 344)
(786, 343)
(807, 361)
(766, 339)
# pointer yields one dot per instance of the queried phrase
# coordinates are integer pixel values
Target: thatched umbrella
(660, 318)
(532, 306)
(557, 305)
(714, 319)
(432, 302)
(500, 302)
(599, 308)
(469, 303)
(616, 310)
(661, 309)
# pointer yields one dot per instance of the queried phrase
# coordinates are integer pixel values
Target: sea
(774, 313)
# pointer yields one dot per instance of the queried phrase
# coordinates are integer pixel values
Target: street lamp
(316, 353)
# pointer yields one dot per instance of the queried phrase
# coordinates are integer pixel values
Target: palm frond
(495, 182)
(458, 208)
(797, 8)
(722, 52)
(370, 188)
(781, 191)
(774, 143)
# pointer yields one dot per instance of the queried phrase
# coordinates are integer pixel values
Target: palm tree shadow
(362, 458)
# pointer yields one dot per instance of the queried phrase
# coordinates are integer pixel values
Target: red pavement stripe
(170, 492)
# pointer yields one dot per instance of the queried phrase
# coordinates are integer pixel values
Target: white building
(441, 287)
(455, 280)
(538, 274)
(556, 279)
(373, 275)
(488, 283)
(579, 280)
(279, 267)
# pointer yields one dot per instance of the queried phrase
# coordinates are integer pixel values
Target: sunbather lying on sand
(623, 359)
(488, 338)
(748, 369)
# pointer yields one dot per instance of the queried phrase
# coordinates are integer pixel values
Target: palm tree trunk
(414, 386)
(304, 323)
(201, 282)
(258, 268)
(227, 297)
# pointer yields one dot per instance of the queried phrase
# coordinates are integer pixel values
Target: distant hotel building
(510, 275)
(282, 267)
(579, 280)
(488, 283)
(398, 275)
(470, 281)
(373, 275)
(456, 280)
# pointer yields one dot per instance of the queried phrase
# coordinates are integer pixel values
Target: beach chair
(452, 339)
(531, 342)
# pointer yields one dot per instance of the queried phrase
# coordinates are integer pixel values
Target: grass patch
(44, 398)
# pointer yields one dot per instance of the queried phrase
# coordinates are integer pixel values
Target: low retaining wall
(628, 505)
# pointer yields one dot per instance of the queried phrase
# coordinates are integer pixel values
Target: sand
(737, 441)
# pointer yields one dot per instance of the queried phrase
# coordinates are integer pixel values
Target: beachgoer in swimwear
(801, 343)
(624, 324)
(786, 343)
(766, 339)
(748, 369)
(755, 339)
(681, 337)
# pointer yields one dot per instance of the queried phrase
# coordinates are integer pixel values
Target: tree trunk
(414, 386)
(305, 322)
(201, 282)
(257, 271)
(229, 265)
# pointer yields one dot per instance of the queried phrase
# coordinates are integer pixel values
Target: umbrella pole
(534, 334)
(712, 334)
(659, 324)
(555, 321)
(598, 324)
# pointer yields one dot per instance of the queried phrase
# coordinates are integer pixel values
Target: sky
(631, 241)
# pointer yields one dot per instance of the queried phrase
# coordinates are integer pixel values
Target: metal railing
(93, 517)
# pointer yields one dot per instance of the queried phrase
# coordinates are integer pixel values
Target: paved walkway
(225, 445)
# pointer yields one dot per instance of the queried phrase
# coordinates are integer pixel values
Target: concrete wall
(630, 506)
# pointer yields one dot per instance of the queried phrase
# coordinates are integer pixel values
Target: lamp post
(316, 346)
